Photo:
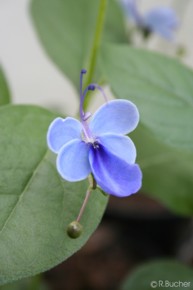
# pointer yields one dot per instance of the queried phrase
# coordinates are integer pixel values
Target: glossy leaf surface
(36, 205)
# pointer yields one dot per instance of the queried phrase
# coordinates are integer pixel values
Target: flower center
(90, 140)
(95, 145)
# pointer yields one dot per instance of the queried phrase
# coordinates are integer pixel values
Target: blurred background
(27, 66)
(134, 230)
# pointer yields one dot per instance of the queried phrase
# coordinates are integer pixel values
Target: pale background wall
(32, 76)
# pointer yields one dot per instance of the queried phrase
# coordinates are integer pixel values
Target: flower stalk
(92, 186)
(74, 229)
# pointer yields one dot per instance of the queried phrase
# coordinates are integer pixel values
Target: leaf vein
(30, 179)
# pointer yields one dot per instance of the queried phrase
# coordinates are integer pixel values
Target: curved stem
(89, 190)
(96, 45)
(92, 186)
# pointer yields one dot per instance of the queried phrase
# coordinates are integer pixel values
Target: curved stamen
(83, 71)
(90, 87)
(84, 116)
(101, 90)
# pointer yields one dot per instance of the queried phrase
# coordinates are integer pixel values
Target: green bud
(74, 230)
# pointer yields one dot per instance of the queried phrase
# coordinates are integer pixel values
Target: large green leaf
(160, 275)
(35, 204)
(167, 173)
(66, 29)
(161, 87)
(4, 90)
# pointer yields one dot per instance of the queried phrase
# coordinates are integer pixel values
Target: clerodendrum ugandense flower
(161, 20)
(98, 146)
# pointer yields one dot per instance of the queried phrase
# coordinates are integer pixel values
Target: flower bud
(74, 230)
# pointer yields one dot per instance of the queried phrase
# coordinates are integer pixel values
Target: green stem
(95, 46)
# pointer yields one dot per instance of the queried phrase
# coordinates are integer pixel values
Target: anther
(83, 71)
(91, 87)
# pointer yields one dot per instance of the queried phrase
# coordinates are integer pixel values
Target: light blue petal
(72, 161)
(116, 117)
(114, 175)
(131, 10)
(62, 131)
(121, 146)
(163, 21)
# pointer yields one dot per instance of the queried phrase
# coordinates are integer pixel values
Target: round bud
(74, 230)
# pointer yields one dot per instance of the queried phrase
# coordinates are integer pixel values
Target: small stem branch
(96, 45)
(89, 190)
(92, 186)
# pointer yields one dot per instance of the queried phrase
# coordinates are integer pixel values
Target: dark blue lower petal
(114, 175)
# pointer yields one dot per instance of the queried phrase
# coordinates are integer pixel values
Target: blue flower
(161, 20)
(99, 146)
